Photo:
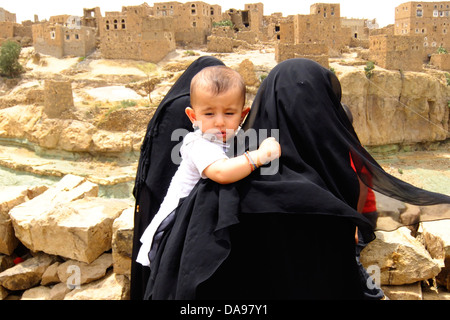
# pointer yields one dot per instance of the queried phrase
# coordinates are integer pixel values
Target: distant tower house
(431, 20)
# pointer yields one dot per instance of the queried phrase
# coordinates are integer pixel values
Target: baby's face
(219, 115)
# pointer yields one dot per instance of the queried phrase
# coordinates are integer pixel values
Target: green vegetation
(262, 77)
(9, 59)
(122, 105)
(223, 23)
(447, 76)
(368, 69)
(189, 53)
(441, 50)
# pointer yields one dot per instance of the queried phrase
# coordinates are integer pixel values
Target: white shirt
(197, 154)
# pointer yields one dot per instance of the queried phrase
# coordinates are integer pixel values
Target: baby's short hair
(217, 79)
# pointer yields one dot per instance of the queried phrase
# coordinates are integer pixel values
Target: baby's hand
(268, 150)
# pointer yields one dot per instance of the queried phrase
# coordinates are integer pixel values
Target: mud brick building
(420, 29)
(6, 16)
(135, 34)
(431, 20)
(192, 21)
(6, 30)
(314, 36)
(9, 29)
(396, 52)
(68, 39)
(249, 19)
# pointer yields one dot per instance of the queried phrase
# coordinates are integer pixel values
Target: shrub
(368, 69)
(441, 50)
(223, 23)
(9, 59)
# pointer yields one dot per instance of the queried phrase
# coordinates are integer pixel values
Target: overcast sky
(382, 10)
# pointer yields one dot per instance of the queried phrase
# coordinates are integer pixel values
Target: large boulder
(122, 242)
(437, 240)
(75, 273)
(111, 287)
(68, 220)
(400, 258)
(27, 274)
(9, 198)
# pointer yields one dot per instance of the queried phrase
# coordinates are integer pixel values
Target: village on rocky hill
(72, 123)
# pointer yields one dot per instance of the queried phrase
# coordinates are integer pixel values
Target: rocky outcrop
(11, 197)
(31, 124)
(396, 107)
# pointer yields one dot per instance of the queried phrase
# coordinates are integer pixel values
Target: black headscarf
(286, 235)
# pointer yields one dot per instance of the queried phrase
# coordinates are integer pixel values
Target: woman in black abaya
(156, 168)
(290, 234)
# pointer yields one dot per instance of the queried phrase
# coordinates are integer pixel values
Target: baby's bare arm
(234, 169)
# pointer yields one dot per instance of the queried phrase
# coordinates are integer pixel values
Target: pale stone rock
(79, 230)
(59, 291)
(437, 240)
(400, 258)
(47, 132)
(9, 198)
(404, 292)
(28, 217)
(50, 275)
(26, 274)
(18, 121)
(122, 242)
(37, 293)
(85, 272)
(77, 136)
(112, 287)
(113, 142)
(247, 71)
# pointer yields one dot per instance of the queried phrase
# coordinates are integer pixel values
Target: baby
(216, 112)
